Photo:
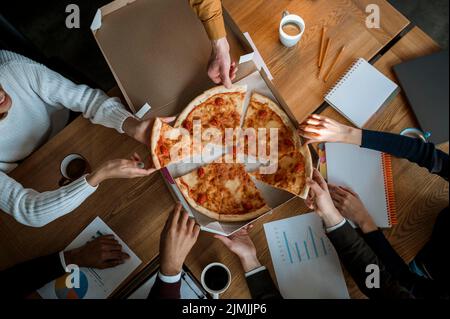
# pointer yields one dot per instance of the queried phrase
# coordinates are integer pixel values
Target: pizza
(224, 192)
(168, 142)
(218, 108)
(262, 112)
(291, 172)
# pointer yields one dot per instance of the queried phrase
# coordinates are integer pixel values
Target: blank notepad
(366, 172)
(361, 92)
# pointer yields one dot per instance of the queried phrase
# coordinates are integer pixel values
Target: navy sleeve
(414, 150)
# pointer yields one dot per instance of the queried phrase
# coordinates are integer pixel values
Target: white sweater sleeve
(38, 209)
(58, 91)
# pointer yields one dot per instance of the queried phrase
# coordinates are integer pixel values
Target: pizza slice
(169, 145)
(290, 173)
(241, 200)
(218, 108)
(262, 112)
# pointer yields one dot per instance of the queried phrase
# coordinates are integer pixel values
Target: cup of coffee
(291, 29)
(216, 279)
(72, 167)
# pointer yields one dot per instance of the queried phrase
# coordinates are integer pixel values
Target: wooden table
(137, 209)
(295, 70)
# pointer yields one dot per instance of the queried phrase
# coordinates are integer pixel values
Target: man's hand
(318, 128)
(177, 239)
(220, 68)
(351, 207)
(241, 244)
(141, 131)
(103, 252)
(319, 200)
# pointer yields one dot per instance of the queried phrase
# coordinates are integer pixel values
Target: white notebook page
(361, 92)
(361, 170)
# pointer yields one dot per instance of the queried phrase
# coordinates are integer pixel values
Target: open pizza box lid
(158, 52)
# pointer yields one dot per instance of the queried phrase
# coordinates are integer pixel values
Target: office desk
(137, 209)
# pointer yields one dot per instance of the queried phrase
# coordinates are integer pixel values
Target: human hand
(141, 131)
(242, 245)
(103, 252)
(177, 239)
(317, 128)
(220, 67)
(119, 168)
(351, 207)
(319, 200)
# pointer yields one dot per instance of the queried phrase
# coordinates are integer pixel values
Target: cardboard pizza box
(158, 52)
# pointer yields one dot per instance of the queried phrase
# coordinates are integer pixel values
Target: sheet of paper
(94, 283)
(189, 288)
(306, 264)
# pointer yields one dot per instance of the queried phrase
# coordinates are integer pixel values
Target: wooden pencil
(322, 47)
(325, 53)
(336, 60)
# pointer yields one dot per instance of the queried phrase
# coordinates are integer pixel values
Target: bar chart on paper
(305, 262)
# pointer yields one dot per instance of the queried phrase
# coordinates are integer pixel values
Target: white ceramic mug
(291, 40)
(66, 179)
(215, 293)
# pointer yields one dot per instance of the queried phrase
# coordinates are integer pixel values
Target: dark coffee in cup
(76, 168)
(216, 278)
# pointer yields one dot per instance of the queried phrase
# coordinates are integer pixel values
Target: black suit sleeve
(356, 255)
(25, 278)
(262, 286)
(415, 150)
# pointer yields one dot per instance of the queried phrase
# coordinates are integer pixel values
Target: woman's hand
(141, 131)
(319, 128)
(242, 245)
(103, 252)
(351, 207)
(119, 168)
(319, 200)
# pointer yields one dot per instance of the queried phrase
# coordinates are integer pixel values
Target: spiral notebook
(369, 174)
(361, 92)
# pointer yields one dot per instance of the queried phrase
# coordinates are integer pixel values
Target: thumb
(225, 76)
(169, 119)
(225, 240)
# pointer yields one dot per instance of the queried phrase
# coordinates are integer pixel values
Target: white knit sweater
(37, 93)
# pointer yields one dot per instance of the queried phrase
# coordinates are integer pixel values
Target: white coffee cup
(291, 40)
(66, 177)
(215, 293)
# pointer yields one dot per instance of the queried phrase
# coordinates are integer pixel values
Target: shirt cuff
(63, 260)
(254, 271)
(169, 279)
(333, 228)
(215, 28)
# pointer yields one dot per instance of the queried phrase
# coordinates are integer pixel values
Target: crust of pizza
(156, 135)
(304, 150)
(244, 217)
(205, 96)
(276, 108)
(185, 191)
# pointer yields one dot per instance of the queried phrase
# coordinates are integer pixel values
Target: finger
(184, 217)
(225, 75)
(313, 121)
(320, 180)
(112, 263)
(347, 189)
(314, 186)
(112, 247)
(225, 240)
(190, 225)
(215, 78)
(312, 129)
(113, 255)
(321, 118)
(197, 230)
(338, 190)
(175, 215)
(168, 119)
(337, 198)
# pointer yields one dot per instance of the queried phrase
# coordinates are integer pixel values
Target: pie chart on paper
(62, 292)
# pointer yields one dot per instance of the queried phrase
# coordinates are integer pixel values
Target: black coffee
(76, 168)
(216, 278)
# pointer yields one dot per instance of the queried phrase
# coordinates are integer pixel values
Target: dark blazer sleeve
(414, 150)
(261, 286)
(21, 280)
(356, 255)
(162, 290)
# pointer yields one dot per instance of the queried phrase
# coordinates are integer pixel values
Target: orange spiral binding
(389, 187)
